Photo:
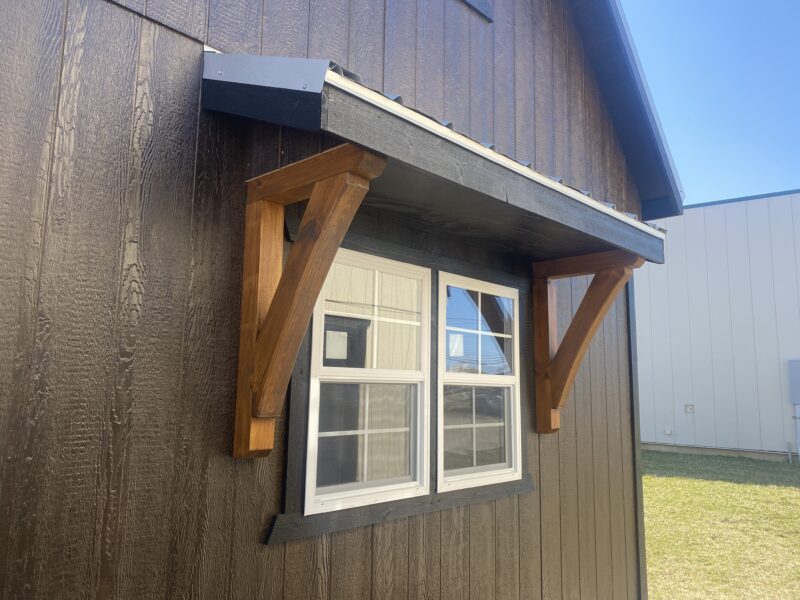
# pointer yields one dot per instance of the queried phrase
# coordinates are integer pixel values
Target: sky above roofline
(724, 76)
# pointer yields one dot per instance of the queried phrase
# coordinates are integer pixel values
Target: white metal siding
(717, 324)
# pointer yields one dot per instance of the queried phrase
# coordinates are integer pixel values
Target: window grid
(481, 333)
(474, 425)
(475, 476)
(366, 492)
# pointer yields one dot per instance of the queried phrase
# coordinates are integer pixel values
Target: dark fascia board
(476, 193)
(611, 53)
(481, 189)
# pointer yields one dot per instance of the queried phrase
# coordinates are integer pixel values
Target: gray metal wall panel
(717, 325)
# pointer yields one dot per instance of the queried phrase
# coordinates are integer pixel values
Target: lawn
(721, 527)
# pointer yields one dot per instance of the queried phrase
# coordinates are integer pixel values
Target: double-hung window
(368, 438)
(369, 434)
(479, 432)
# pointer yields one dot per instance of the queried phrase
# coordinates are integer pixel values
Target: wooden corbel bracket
(555, 366)
(278, 299)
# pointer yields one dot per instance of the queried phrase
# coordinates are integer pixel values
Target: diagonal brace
(278, 300)
(556, 365)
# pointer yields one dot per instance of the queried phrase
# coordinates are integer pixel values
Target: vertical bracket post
(278, 300)
(556, 365)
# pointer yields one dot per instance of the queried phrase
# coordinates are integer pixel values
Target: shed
(306, 299)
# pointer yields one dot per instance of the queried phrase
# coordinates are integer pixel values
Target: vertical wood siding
(717, 324)
(121, 215)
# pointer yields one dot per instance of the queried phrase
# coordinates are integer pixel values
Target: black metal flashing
(482, 7)
(610, 51)
(281, 90)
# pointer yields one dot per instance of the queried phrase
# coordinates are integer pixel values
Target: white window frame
(320, 503)
(482, 476)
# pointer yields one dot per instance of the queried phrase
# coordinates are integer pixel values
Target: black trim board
(295, 526)
(637, 451)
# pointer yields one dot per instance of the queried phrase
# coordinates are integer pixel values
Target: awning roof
(448, 180)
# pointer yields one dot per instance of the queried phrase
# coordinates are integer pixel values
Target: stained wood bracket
(555, 366)
(278, 300)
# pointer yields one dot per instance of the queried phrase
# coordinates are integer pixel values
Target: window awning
(400, 160)
(444, 178)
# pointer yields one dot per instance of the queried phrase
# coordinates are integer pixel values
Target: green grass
(721, 527)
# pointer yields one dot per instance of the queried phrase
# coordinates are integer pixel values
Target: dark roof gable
(611, 53)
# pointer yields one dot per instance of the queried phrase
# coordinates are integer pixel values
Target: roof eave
(615, 62)
(475, 188)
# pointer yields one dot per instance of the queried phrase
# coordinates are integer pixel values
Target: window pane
(462, 352)
(390, 405)
(490, 445)
(490, 404)
(349, 290)
(399, 298)
(340, 460)
(457, 405)
(457, 448)
(347, 342)
(497, 314)
(388, 456)
(398, 346)
(341, 407)
(462, 308)
(496, 355)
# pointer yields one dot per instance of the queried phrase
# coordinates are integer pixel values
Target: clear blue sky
(725, 79)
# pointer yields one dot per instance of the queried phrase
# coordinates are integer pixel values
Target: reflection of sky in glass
(480, 352)
(495, 355)
(462, 308)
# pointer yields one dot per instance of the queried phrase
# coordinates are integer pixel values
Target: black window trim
(292, 524)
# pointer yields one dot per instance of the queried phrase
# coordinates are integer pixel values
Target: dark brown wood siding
(121, 219)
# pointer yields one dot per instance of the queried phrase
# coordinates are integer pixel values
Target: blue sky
(725, 79)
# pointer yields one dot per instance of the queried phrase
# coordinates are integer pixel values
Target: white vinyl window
(368, 433)
(479, 436)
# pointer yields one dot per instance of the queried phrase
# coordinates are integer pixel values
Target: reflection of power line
(370, 306)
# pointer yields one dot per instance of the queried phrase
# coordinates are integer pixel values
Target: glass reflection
(462, 308)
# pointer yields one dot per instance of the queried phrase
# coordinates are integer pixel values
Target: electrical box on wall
(794, 381)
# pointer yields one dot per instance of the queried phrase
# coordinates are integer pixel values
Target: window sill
(291, 526)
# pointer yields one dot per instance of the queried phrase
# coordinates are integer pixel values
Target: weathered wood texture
(121, 226)
(442, 58)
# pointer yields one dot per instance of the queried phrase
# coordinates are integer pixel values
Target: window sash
(366, 492)
(490, 474)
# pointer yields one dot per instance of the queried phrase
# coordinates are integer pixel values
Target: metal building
(718, 324)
